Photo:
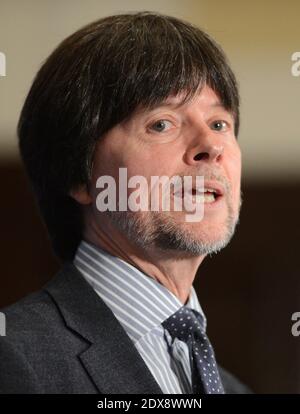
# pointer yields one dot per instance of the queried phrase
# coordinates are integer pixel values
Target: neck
(175, 271)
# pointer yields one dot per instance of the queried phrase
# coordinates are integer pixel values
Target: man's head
(95, 106)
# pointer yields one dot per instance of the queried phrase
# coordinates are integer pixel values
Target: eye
(219, 125)
(160, 125)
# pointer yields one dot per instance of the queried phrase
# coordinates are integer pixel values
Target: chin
(218, 232)
(211, 236)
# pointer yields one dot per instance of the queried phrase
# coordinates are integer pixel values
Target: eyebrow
(218, 105)
(176, 105)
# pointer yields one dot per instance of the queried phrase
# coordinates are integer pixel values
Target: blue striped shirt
(141, 304)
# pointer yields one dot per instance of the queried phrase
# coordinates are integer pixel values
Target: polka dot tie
(187, 325)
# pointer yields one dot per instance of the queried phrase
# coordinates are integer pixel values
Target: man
(153, 96)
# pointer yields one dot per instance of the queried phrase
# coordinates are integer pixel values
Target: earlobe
(81, 195)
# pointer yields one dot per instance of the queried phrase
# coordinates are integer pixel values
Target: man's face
(194, 139)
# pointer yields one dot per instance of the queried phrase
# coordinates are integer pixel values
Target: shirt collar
(138, 301)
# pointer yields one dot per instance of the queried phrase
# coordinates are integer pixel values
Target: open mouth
(211, 193)
(208, 195)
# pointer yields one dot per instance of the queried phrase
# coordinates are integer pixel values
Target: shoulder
(38, 312)
(33, 313)
(35, 322)
(25, 321)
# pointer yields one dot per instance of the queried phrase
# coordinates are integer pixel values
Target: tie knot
(184, 324)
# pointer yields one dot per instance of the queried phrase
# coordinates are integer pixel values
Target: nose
(207, 148)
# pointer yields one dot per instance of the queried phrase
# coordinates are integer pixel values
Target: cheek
(150, 162)
(105, 163)
(102, 167)
(235, 163)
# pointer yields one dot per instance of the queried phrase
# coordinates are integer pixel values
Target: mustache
(208, 175)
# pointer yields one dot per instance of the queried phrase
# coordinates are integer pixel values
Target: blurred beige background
(258, 37)
(250, 290)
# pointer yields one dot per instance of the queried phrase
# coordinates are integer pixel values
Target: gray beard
(157, 230)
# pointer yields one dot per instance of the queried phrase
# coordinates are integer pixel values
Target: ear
(81, 195)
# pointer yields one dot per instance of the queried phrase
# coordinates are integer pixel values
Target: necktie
(187, 325)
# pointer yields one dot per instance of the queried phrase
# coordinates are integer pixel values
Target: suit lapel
(111, 360)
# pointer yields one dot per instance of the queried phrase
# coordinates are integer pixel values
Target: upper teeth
(205, 190)
(199, 191)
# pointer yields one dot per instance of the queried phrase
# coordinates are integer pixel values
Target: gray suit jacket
(64, 339)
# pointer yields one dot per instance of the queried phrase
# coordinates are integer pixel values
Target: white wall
(259, 38)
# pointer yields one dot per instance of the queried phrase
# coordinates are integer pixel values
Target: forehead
(205, 97)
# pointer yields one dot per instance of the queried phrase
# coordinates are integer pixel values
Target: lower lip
(215, 204)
